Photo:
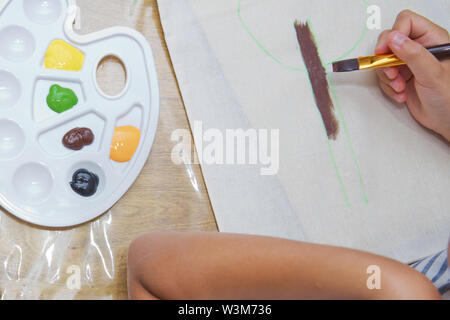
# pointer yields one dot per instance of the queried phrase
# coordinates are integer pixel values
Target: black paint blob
(84, 183)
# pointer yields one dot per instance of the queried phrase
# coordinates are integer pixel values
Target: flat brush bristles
(346, 65)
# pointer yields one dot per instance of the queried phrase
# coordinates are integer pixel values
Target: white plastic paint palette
(35, 167)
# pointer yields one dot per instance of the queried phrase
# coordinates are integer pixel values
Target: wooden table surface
(165, 197)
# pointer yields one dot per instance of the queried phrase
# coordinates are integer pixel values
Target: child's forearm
(226, 266)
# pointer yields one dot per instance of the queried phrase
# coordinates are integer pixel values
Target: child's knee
(142, 247)
(141, 253)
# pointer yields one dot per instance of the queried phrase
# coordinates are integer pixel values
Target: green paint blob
(61, 99)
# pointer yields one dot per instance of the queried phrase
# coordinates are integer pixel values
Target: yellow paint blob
(62, 56)
(124, 143)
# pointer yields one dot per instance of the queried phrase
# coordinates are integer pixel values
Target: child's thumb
(425, 67)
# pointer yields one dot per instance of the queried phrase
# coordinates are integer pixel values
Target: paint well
(62, 56)
(124, 143)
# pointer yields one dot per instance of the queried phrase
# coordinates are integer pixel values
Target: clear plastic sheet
(89, 261)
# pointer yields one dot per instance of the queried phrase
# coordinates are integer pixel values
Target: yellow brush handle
(381, 61)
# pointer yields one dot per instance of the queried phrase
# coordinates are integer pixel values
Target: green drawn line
(338, 106)
(247, 29)
(338, 174)
(270, 55)
(342, 120)
(333, 158)
(363, 35)
(349, 141)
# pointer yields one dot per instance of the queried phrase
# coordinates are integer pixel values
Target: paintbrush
(386, 60)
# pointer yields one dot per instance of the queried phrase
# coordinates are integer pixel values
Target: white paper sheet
(382, 186)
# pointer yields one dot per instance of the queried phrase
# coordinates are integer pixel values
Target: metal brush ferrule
(381, 61)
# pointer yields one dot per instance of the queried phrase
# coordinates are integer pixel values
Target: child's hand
(424, 84)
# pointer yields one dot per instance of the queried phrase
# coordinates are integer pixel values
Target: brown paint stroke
(318, 78)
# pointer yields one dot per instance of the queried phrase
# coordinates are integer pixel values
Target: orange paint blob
(124, 143)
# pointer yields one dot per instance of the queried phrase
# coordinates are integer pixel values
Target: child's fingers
(383, 77)
(420, 29)
(415, 27)
(391, 72)
(405, 72)
(391, 93)
(397, 83)
(382, 45)
(425, 67)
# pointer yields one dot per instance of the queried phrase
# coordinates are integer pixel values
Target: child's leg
(228, 266)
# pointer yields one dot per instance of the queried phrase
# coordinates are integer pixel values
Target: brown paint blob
(77, 138)
(318, 78)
